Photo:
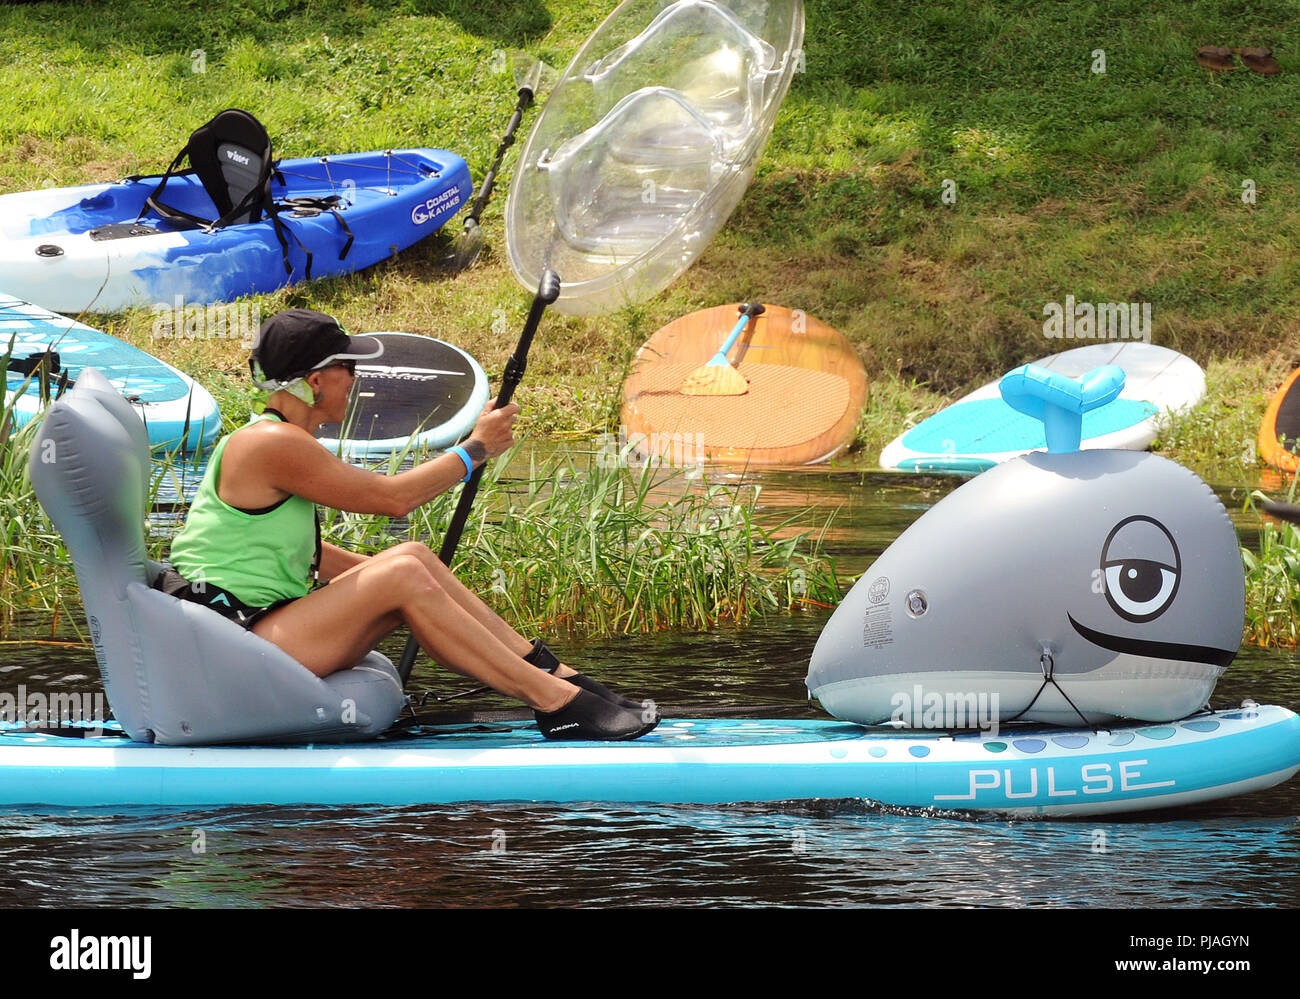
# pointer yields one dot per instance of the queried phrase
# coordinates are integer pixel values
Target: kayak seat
(231, 156)
(176, 673)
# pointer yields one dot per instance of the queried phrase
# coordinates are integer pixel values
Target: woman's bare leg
(333, 627)
(467, 599)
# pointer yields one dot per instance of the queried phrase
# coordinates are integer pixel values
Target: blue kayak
(1035, 770)
(87, 248)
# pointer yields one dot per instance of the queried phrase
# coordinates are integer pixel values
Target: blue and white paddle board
(176, 410)
(1025, 771)
(420, 392)
(76, 249)
(647, 143)
(980, 430)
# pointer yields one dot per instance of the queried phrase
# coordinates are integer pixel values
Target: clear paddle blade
(468, 246)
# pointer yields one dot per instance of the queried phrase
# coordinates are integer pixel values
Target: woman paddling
(251, 542)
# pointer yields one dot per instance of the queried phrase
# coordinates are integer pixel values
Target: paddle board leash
(548, 290)
(470, 242)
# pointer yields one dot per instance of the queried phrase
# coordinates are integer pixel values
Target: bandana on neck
(296, 387)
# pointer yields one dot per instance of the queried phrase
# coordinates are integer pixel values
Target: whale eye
(1139, 587)
(1142, 567)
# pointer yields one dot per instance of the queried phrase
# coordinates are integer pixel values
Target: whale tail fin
(1060, 401)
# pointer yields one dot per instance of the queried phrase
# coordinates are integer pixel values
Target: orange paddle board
(1279, 432)
(806, 389)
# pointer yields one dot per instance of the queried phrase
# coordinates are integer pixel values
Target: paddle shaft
(507, 140)
(548, 290)
(747, 311)
(1283, 511)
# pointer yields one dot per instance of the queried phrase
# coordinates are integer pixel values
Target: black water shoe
(544, 659)
(590, 716)
(598, 688)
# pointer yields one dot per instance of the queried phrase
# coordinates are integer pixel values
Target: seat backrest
(231, 154)
(175, 672)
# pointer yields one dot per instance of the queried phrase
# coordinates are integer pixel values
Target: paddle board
(647, 143)
(175, 409)
(979, 430)
(74, 249)
(420, 392)
(806, 389)
(1021, 771)
(1279, 431)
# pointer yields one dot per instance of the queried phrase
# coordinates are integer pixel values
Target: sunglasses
(349, 366)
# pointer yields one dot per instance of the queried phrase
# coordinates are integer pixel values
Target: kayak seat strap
(307, 206)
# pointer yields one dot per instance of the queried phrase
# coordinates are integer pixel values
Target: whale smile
(1155, 650)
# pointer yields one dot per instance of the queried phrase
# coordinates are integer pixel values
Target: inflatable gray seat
(175, 672)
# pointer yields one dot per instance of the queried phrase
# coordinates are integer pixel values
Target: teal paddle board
(980, 430)
(1034, 770)
(176, 410)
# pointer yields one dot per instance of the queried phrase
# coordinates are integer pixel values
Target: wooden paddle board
(1279, 432)
(980, 430)
(806, 389)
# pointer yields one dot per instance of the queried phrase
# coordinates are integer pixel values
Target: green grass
(583, 545)
(34, 567)
(1122, 186)
(1219, 438)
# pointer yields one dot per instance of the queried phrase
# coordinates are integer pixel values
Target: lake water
(1241, 852)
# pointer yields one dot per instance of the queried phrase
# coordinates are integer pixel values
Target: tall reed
(1273, 583)
(33, 561)
(585, 547)
(577, 546)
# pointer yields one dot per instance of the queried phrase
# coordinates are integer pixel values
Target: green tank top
(260, 557)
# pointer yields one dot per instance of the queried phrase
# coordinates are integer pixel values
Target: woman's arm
(278, 459)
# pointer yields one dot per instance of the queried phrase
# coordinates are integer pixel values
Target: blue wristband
(464, 456)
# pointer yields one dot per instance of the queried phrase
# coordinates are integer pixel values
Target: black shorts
(224, 602)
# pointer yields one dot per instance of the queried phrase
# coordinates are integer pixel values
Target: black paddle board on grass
(421, 392)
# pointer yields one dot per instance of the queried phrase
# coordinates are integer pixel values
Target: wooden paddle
(718, 377)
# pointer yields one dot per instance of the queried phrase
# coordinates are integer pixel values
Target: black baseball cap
(296, 341)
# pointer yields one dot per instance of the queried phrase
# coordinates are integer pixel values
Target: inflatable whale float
(1061, 587)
